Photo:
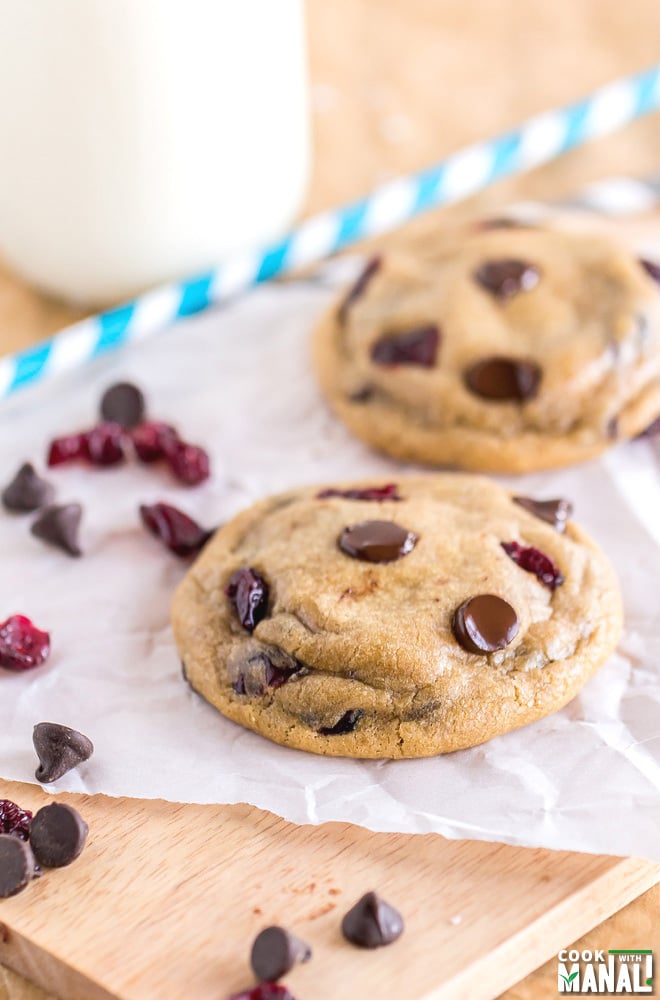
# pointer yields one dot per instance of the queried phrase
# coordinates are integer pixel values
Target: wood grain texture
(397, 85)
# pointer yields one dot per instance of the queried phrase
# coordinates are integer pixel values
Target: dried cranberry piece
(410, 347)
(151, 440)
(248, 592)
(346, 724)
(70, 448)
(534, 561)
(14, 820)
(259, 673)
(387, 492)
(264, 991)
(189, 463)
(178, 532)
(652, 269)
(105, 444)
(22, 645)
(359, 288)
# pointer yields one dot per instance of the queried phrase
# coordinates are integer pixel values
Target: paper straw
(536, 141)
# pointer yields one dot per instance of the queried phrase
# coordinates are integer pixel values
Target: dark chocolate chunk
(59, 525)
(27, 491)
(346, 724)
(275, 952)
(377, 541)
(59, 750)
(410, 347)
(372, 923)
(484, 624)
(505, 278)
(248, 592)
(503, 378)
(17, 865)
(652, 269)
(555, 512)
(387, 492)
(123, 404)
(57, 835)
(359, 288)
(264, 670)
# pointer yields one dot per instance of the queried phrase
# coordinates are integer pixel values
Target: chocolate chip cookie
(396, 620)
(515, 349)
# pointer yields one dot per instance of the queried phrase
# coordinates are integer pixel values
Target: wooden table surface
(396, 85)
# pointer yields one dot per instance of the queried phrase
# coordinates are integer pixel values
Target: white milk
(140, 140)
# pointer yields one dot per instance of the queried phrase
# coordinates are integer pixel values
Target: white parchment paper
(239, 381)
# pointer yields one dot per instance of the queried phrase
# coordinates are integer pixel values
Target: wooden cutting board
(166, 900)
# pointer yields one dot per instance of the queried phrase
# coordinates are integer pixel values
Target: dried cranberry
(14, 820)
(151, 439)
(387, 492)
(652, 269)
(178, 532)
(189, 463)
(69, 448)
(22, 645)
(105, 444)
(264, 671)
(534, 561)
(248, 592)
(410, 347)
(264, 991)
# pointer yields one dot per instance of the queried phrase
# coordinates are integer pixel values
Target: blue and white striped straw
(535, 142)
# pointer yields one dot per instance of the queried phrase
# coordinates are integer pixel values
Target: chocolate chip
(346, 724)
(505, 278)
(372, 923)
(57, 835)
(377, 541)
(59, 525)
(275, 952)
(357, 290)
(484, 623)
(263, 670)
(555, 512)
(503, 378)
(652, 269)
(17, 865)
(27, 491)
(410, 347)
(59, 750)
(123, 404)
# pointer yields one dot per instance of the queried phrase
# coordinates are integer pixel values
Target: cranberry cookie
(516, 349)
(398, 620)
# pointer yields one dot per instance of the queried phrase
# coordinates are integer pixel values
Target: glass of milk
(143, 140)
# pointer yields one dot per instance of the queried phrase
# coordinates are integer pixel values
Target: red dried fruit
(105, 444)
(260, 672)
(534, 561)
(387, 492)
(410, 347)
(69, 448)
(189, 463)
(248, 592)
(22, 645)
(264, 991)
(14, 820)
(151, 440)
(178, 532)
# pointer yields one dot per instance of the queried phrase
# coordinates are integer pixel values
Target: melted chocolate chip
(387, 492)
(346, 724)
(503, 378)
(57, 835)
(357, 290)
(248, 592)
(652, 269)
(59, 525)
(372, 923)
(410, 347)
(505, 278)
(27, 491)
(123, 404)
(17, 865)
(264, 670)
(377, 541)
(555, 512)
(59, 750)
(484, 624)
(275, 952)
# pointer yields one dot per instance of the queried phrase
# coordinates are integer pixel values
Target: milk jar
(143, 140)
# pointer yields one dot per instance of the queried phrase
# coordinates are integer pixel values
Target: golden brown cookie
(517, 349)
(371, 620)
